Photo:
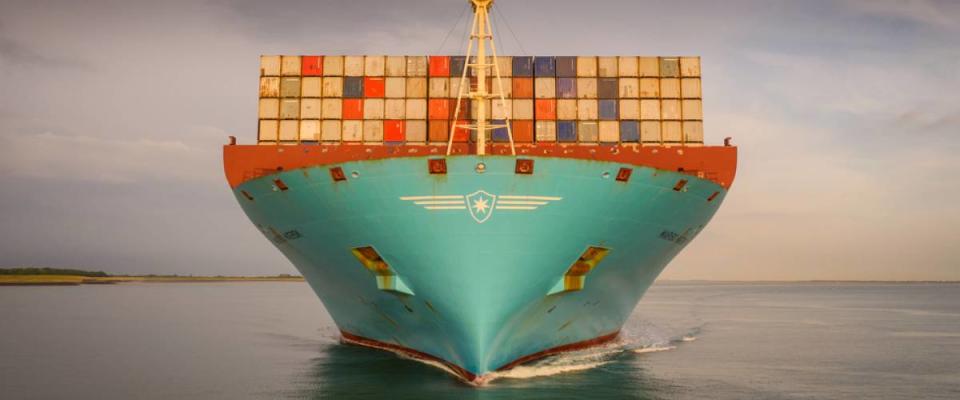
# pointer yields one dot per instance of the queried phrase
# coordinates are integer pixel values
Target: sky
(846, 114)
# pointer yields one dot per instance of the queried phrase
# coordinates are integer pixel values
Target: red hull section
(246, 162)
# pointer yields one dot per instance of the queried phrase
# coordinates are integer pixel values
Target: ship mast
(480, 33)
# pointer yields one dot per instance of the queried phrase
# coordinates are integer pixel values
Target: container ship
(479, 211)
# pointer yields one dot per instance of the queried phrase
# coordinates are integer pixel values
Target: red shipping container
(461, 135)
(311, 65)
(439, 108)
(523, 131)
(523, 88)
(394, 130)
(374, 87)
(439, 65)
(545, 109)
(352, 108)
(464, 108)
(438, 131)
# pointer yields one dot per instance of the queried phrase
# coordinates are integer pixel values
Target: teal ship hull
(472, 268)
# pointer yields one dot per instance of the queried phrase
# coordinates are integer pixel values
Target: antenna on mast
(480, 32)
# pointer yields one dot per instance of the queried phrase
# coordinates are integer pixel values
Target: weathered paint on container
(311, 86)
(669, 67)
(269, 65)
(331, 108)
(627, 66)
(692, 109)
(607, 67)
(269, 86)
(289, 130)
(373, 109)
(353, 66)
(649, 109)
(416, 108)
(690, 66)
(333, 66)
(311, 109)
(567, 88)
(587, 109)
(395, 88)
(395, 66)
(440, 66)
(567, 131)
(352, 130)
(546, 131)
(586, 88)
(394, 109)
(417, 66)
(608, 109)
(505, 66)
(506, 84)
(671, 132)
(693, 131)
(457, 64)
(649, 67)
(649, 87)
(332, 86)
(309, 130)
(374, 65)
(608, 88)
(268, 130)
(629, 88)
(353, 87)
(393, 131)
(609, 131)
(587, 66)
(522, 66)
(587, 131)
(373, 131)
(566, 67)
(312, 66)
(290, 66)
(330, 130)
(545, 87)
(374, 87)
(416, 87)
(439, 87)
(289, 87)
(352, 108)
(416, 131)
(629, 131)
(545, 109)
(566, 109)
(269, 108)
(650, 131)
(629, 109)
(545, 66)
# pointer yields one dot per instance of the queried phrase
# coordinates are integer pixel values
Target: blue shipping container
(353, 86)
(522, 66)
(567, 131)
(500, 134)
(608, 110)
(566, 67)
(567, 88)
(544, 66)
(629, 131)
(457, 64)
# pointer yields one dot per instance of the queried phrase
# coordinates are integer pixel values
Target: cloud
(943, 14)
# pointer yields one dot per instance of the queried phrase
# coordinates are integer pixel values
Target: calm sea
(685, 341)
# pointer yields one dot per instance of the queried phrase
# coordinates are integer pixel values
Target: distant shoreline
(74, 280)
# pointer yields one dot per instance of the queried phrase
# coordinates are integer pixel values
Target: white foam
(653, 349)
(688, 338)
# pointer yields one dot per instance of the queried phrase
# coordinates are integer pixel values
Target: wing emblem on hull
(480, 204)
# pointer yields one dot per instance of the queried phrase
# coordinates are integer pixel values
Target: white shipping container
(649, 66)
(290, 87)
(609, 131)
(650, 131)
(352, 130)
(506, 84)
(309, 130)
(331, 108)
(289, 130)
(269, 109)
(670, 88)
(269, 86)
(330, 130)
(669, 109)
(693, 131)
(670, 131)
(416, 108)
(607, 67)
(629, 88)
(417, 66)
(290, 66)
(649, 109)
(269, 65)
(522, 109)
(649, 87)
(455, 87)
(692, 109)
(312, 86)
(290, 109)
(545, 87)
(352, 66)
(627, 66)
(394, 109)
(416, 131)
(629, 109)
(587, 131)
(310, 109)
(690, 66)
(373, 131)
(396, 88)
(332, 86)
(505, 67)
(587, 88)
(566, 109)
(587, 109)
(690, 88)
(474, 109)
(501, 109)
(373, 109)
(546, 131)
(586, 66)
(439, 87)
(333, 66)
(416, 88)
(374, 65)
(396, 66)
(268, 129)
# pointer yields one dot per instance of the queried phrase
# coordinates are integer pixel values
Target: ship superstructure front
(473, 254)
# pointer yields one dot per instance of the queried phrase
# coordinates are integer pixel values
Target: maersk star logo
(480, 204)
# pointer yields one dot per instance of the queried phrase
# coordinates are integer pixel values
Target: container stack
(413, 100)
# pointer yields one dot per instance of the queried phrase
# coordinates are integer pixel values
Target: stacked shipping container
(412, 99)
